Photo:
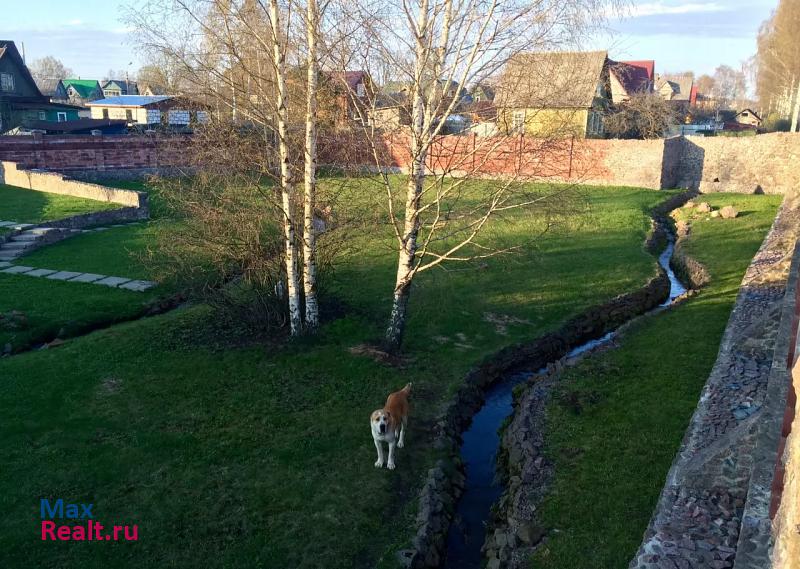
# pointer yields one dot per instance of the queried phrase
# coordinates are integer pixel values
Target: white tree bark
(309, 232)
(796, 108)
(416, 179)
(286, 182)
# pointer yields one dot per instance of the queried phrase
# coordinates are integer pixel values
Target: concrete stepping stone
(138, 286)
(16, 269)
(4, 264)
(112, 281)
(22, 225)
(87, 278)
(40, 272)
(63, 275)
(7, 223)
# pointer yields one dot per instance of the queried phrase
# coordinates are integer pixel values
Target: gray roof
(48, 86)
(681, 86)
(561, 80)
(129, 101)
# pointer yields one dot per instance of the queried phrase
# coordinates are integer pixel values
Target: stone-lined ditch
(451, 532)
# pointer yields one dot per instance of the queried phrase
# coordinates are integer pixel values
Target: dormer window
(6, 82)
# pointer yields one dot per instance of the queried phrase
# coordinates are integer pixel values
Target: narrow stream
(482, 441)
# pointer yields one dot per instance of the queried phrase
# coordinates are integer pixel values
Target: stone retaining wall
(54, 183)
(698, 521)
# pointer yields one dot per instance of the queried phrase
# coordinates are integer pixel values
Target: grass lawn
(57, 308)
(253, 454)
(612, 458)
(28, 206)
(115, 251)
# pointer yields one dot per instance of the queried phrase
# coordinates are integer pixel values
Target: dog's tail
(407, 388)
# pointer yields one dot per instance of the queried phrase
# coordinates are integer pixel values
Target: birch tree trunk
(416, 179)
(287, 184)
(309, 231)
(796, 107)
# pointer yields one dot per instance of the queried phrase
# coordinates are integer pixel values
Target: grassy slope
(115, 251)
(28, 206)
(260, 456)
(612, 458)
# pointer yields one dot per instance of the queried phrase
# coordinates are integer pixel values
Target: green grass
(63, 309)
(611, 458)
(28, 206)
(258, 453)
(116, 251)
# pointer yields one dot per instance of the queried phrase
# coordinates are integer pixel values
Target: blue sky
(89, 37)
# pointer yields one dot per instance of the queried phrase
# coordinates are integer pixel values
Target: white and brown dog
(389, 425)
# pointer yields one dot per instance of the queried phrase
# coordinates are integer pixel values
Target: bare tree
(778, 60)
(242, 59)
(438, 48)
(48, 69)
(646, 115)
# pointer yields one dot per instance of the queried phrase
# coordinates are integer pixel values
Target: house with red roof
(628, 78)
(353, 90)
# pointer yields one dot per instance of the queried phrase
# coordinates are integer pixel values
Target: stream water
(482, 441)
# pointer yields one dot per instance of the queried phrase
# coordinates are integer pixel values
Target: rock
(704, 207)
(728, 212)
(530, 533)
(688, 205)
(715, 213)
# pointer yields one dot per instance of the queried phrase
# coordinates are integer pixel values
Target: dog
(389, 425)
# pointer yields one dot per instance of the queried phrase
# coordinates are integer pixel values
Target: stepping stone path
(29, 239)
(76, 277)
(23, 242)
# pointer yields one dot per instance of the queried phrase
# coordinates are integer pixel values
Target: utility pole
(796, 110)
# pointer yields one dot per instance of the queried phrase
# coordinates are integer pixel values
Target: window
(518, 121)
(105, 113)
(129, 115)
(361, 90)
(61, 117)
(42, 116)
(6, 82)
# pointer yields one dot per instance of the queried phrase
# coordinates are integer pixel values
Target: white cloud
(662, 9)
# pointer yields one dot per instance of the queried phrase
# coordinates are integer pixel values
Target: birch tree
(238, 56)
(438, 48)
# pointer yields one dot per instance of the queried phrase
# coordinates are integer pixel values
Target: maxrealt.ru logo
(79, 524)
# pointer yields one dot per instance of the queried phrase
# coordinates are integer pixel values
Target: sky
(90, 37)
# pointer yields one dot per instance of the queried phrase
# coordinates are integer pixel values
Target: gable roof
(551, 79)
(84, 87)
(634, 76)
(48, 86)
(126, 87)
(748, 110)
(675, 87)
(9, 49)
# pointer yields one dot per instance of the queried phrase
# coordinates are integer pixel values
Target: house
(748, 117)
(353, 91)
(679, 89)
(482, 93)
(161, 110)
(549, 94)
(21, 101)
(81, 91)
(628, 78)
(53, 89)
(117, 88)
(151, 90)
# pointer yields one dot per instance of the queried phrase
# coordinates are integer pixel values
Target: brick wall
(759, 163)
(78, 152)
(610, 162)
